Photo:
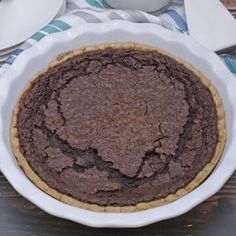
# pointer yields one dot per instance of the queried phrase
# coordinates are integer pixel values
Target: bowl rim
(143, 5)
(100, 219)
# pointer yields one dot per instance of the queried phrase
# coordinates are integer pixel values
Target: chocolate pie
(118, 127)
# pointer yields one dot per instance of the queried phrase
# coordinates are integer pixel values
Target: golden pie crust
(202, 175)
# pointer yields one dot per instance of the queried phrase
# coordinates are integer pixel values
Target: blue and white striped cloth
(90, 11)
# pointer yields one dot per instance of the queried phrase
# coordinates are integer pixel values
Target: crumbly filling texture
(117, 127)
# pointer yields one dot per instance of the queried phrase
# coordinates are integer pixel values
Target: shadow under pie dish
(118, 127)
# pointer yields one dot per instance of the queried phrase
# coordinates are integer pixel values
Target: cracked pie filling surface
(119, 127)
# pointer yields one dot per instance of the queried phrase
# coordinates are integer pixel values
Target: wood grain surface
(231, 5)
(215, 217)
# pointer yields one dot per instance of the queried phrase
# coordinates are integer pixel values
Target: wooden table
(215, 217)
(231, 5)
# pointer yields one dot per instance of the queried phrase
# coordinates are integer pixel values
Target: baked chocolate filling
(117, 127)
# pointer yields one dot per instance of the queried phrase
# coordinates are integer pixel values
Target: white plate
(38, 57)
(4, 57)
(8, 50)
(62, 10)
(19, 19)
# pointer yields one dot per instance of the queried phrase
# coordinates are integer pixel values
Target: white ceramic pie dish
(38, 57)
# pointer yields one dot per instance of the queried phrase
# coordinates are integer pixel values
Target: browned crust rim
(140, 206)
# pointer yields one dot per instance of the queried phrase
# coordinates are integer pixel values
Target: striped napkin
(96, 11)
